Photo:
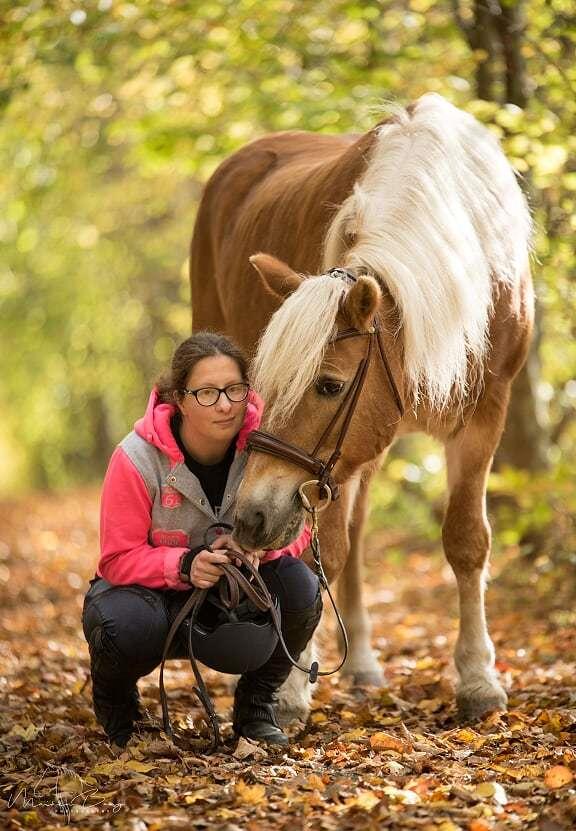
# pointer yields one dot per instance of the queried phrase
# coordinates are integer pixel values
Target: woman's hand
(225, 541)
(205, 570)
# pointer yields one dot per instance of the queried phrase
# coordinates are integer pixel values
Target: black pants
(126, 627)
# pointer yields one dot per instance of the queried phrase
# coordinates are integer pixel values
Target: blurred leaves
(386, 758)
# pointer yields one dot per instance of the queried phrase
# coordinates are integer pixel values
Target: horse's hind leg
(466, 536)
(362, 663)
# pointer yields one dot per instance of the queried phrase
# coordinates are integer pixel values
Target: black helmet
(234, 640)
(233, 627)
(230, 633)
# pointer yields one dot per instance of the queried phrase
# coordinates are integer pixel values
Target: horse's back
(254, 200)
(282, 158)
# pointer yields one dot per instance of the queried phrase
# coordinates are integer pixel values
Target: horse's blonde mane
(292, 347)
(438, 217)
(440, 220)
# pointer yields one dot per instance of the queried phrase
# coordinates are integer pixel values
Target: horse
(310, 248)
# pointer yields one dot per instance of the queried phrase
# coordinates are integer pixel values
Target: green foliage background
(113, 116)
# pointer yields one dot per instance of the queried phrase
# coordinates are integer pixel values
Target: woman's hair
(194, 349)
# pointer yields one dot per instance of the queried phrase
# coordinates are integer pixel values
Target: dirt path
(369, 758)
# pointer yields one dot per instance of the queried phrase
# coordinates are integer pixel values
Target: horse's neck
(338, 176)
(312, 199)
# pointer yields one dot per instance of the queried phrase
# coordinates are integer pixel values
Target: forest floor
(369, 758)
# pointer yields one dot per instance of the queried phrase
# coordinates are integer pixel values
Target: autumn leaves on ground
(369, 758)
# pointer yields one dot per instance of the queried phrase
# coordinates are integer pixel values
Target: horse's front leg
(295, 695)
(466, 536)
(362, 662)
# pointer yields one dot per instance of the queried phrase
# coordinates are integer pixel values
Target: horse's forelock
(292, 346)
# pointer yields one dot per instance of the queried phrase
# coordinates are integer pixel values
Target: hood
(154, 426)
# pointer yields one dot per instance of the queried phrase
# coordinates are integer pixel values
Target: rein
(232, 587)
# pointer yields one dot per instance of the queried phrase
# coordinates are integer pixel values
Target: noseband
(264, 442)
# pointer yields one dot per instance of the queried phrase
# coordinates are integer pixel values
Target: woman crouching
(171, 481)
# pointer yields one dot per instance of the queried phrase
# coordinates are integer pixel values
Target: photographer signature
(60, 796)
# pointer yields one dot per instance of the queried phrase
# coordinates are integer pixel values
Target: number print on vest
(170, 498)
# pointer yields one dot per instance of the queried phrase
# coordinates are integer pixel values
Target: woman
(171, 479)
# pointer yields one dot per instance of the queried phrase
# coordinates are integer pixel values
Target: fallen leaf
(513, 773)
(109, 768)
(200, 795)
(558, 776)
(406, 797)
(491, 790)
(366, 800)
(479, 825)
(315, 782)
(250, 794)
(425, 663)
(353, 735)
(246, 749)
(71, 783)
(386, 741)
(28, 733)
(141, 767)
(467, 736)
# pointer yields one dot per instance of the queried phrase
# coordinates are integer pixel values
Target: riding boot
(115, 696)
(116, 713)
(254, 714)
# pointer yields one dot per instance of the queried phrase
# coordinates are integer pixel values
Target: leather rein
(263, 442)
(233, 587)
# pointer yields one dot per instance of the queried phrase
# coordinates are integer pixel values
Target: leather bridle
(263, 442)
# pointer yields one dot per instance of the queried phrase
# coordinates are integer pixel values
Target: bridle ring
(326, 499)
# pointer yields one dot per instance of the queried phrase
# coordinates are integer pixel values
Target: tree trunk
(525, 441)
(483, 43)
(510, 25)
(498, 31)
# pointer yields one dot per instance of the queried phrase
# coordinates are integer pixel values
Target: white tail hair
(438, 217)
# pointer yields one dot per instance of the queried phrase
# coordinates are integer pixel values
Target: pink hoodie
(129, 551)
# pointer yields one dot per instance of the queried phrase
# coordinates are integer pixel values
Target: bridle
(263, 442)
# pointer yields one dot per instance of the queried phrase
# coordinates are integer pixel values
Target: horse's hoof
(474, 704)
(294, 700)
(288, 713)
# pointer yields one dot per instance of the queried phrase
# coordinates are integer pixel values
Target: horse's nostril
(251, 526)
(258, 521)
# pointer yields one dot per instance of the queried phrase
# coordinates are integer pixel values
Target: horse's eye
(329, 388)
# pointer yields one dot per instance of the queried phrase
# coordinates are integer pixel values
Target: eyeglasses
(208, 396)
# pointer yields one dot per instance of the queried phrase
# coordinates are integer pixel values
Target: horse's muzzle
(263, 526)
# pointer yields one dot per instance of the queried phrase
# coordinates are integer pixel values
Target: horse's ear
(277, 277)
(361, 303)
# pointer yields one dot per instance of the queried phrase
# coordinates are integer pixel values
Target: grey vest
(181, 512)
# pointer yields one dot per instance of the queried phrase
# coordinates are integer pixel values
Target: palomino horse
(425, 215)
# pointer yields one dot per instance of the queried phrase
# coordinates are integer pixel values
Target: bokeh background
(114, 114)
